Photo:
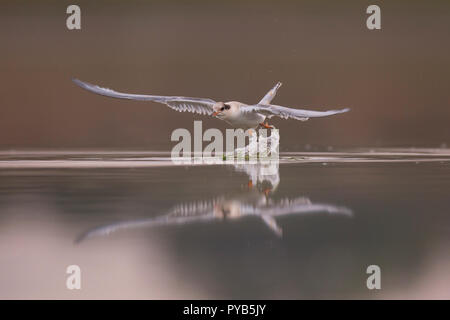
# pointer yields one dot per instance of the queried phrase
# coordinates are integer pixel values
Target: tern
(256, 201)
(237, 114)
(256, 204)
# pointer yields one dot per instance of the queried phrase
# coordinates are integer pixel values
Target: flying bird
(237, 114)
(256, 204)
(256, 201)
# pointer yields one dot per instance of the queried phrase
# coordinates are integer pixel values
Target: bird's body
(237, 114)
(238, 119)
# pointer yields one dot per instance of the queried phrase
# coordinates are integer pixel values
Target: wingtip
(81, 237)
(82, 84)
(77, 81)
(347, 211)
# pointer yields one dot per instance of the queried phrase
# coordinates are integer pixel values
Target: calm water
(141, 227)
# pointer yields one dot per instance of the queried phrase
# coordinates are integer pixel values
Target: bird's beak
(215, 113)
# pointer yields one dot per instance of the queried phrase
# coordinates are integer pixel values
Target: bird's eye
(227, 107)
(221, 109)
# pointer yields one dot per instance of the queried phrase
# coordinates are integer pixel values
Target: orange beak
(215, 113)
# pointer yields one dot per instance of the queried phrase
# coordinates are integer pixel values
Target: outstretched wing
(301, 205)
(200, 211)
(267, 99)
(140, 223)
(272, 224)
(181, 104)
(289, 113)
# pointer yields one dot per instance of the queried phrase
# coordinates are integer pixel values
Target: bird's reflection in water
(256, 201)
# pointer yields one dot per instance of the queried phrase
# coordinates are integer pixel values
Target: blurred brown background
(396, 80)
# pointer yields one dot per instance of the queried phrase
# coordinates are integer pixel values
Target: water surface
(141, 227)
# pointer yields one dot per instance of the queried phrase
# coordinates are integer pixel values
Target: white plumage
(238, 114)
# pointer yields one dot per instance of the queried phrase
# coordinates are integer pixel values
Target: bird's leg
(266, 125)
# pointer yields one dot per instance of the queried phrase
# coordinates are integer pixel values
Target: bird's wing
(181, 104)
(178, 215)
(267, 99)
(140, 223)
(272, 224)
(289, 113)
(299, 205)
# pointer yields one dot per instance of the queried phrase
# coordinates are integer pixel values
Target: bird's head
(221, 110)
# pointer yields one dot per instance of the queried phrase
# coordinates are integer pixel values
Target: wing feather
(272, 110)
(181, 104)
(267, 99)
